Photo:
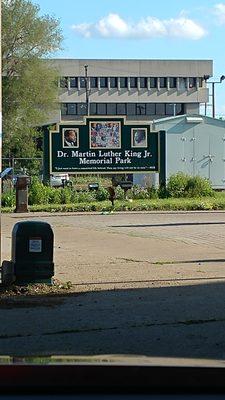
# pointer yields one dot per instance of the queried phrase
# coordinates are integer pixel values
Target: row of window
(122, 109)
(122, 82)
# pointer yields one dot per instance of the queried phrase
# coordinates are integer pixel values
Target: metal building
(195, 145)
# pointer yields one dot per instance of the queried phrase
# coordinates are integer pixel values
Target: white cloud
(113, 26)
(219, 11)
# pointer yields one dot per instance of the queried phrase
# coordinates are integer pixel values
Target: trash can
(32, 252)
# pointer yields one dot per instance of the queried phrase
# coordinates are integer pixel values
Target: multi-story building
(137, 89)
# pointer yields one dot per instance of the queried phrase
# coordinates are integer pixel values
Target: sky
(143, 29)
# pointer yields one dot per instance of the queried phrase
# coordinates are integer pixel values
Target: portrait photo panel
(70, 137)
(139, 137)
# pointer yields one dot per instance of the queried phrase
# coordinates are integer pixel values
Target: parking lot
(149, 284)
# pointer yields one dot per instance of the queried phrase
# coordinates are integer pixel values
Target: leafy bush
(199, 187)
(102, 194)
(119, 192)
(8, 199)
(177, 184)
(183, 185)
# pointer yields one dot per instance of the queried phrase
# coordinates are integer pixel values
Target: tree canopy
(29, 79)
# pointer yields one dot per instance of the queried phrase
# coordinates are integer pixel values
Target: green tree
(29, 78)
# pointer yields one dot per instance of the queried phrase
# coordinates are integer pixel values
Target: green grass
(172, 204)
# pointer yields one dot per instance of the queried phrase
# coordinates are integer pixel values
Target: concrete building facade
(139, 89)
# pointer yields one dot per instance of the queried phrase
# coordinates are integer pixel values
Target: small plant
(198, 187)
(102, 194)
(177, 185)
(8, 199)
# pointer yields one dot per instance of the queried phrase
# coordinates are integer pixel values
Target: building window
(179, 109)
(173, 83)
(81, 108)
(94, 82)
(133, 82)
(143, 83)
(153, 82)
(82, 83)
(101, 108)
(123, 82)
(73, 82)
(141, 109)
(182, 83)
(162, 82)
(200, 80)
(64, 109)
(170, 109)
(113, 82)
(111, 109)
(63, 82)
(150, 109)
(71, 109)
(160, 109)
(93, 108)
(131, 109)
(192, 82)
(103, 82)
(121, 109)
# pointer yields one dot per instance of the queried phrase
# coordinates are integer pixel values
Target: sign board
(103, 145)
(35, 245)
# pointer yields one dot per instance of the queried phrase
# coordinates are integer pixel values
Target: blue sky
(143, 29)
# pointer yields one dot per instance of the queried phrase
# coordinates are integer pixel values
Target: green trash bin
(32, 252)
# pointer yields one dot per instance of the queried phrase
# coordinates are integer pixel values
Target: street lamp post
(222, 78)
(87, 89)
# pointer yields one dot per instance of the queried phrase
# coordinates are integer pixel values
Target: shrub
(119, 192)
(8, 199)
(102, 194)
(199, 187)
(37, 192)
(177, 185)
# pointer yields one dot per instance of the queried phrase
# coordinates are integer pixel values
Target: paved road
(144, 283)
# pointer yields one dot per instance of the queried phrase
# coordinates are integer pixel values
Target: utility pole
(87, 89)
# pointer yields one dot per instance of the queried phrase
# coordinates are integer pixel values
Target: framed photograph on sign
(70, 137)
(139, 137)
(105, 135)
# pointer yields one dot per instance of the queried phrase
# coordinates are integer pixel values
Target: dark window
(64, 109)
(179, 109)
(73, 82)
(131, 108)
(94, 82)
(64, 82)
(82, 83)
(81, 108)
(133, 82)
(113, 82)
(200, 80)
(121, 108)
(160, 109)
(153, 82)
(182, 83)
(150, 108)
(143, 82)
(141, 109)
(111, 109)
(123, 82)
(173, 83)
(192, 82)
(162, 82)
(101, 108)
(170, 109)
(103, 82)
(93, 108)
(71, 108)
